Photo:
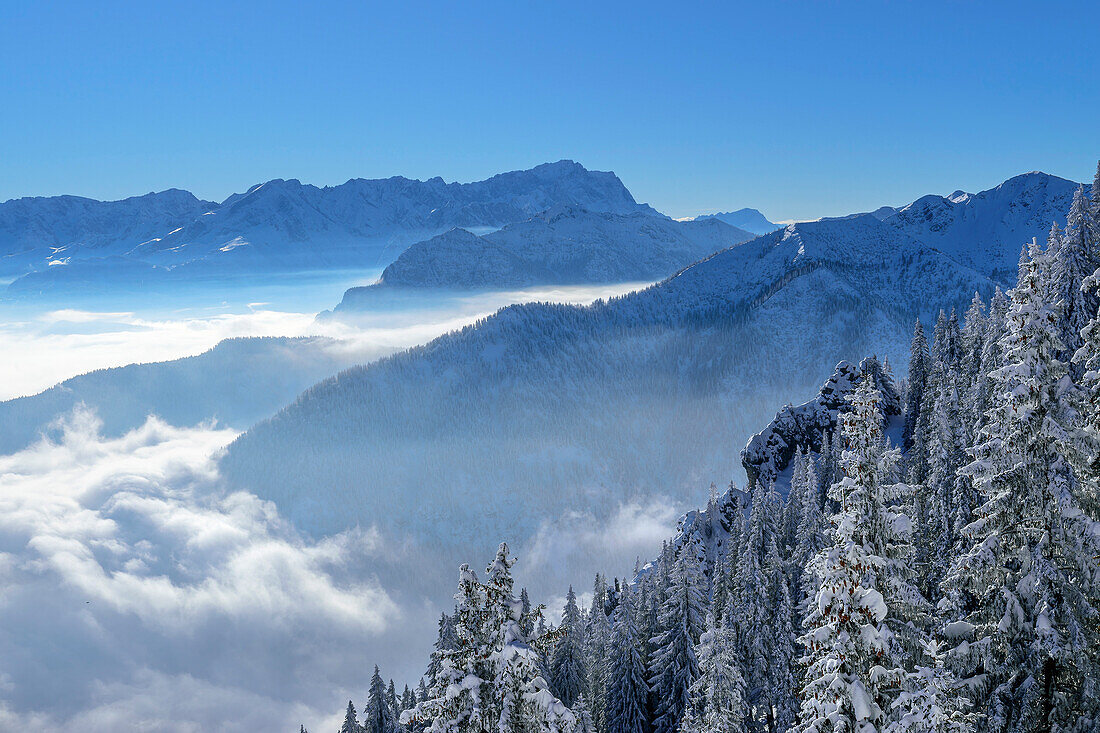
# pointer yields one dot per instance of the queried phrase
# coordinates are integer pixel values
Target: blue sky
(799, 109)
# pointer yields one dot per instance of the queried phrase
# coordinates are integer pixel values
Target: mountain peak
(985, 230)
(559, 168)
(750, 220)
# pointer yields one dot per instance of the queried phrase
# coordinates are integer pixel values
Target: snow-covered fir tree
(931, 699)
(445, 639)
(918, 378)
(597, 638)
(408, 699)
(1027, 583)
(351, 722)
(583, 716)
(853, 656)
(717, 697)
(490, 682)
(782, 676)
(378, 713)
(975, 328)
(626, 693)
(936, 496)
(812, 534)
(1069, 265)
(754, 619)
(991, 358)
(673, 664)
(569, 677)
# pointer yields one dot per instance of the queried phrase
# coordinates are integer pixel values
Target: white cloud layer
(137, 596)
(48, 345)
(570, 546)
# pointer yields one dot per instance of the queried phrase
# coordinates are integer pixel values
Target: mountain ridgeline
(284, 224)
(562, 246)
(553, 406)
(921, 557)
(750, 220)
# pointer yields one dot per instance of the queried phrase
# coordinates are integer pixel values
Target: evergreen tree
(792, 507)
(393, 704)
(674, 667)
(1086, 456)
(489, 683)
(918, 379)
(408, 699)
(718, 695)
(1069, 265)
(931, 700)
(445, 640)
(853, 656)
(1027, 584)
(937, 501)
(596, 643)
(812, 531)
(351, 723)
(973, 343)
(734, 523)
(378, 715)
(782, 677)
(991, 359)
(626, 693)
(755, 617)
(1093, 221)
(568, 676)
(525, 606)
(583, 716)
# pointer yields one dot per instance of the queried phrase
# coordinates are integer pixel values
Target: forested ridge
(950, 582)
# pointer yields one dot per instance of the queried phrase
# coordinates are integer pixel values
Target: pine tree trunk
(1050, 670)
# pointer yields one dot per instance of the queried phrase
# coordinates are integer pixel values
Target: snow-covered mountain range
(40, 232)
(750, 220)
(544, 407)
(561, 246)
(289, 225)
(986, 230)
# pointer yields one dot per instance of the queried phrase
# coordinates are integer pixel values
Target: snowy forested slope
(564, 245)
(542, 407)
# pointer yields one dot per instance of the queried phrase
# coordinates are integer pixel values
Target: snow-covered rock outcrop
(770, 451)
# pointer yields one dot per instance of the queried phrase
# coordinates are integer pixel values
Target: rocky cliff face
(803, 426)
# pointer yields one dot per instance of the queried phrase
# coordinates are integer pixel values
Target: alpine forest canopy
(915, 555)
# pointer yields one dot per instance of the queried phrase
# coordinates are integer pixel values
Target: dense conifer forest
(948, 582)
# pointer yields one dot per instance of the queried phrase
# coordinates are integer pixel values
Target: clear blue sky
(799, 109)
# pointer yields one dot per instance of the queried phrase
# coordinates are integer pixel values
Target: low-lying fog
(138, 593)
(48, 340)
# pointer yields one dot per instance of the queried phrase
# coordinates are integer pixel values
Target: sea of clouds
(46, 345)
(137, 593)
